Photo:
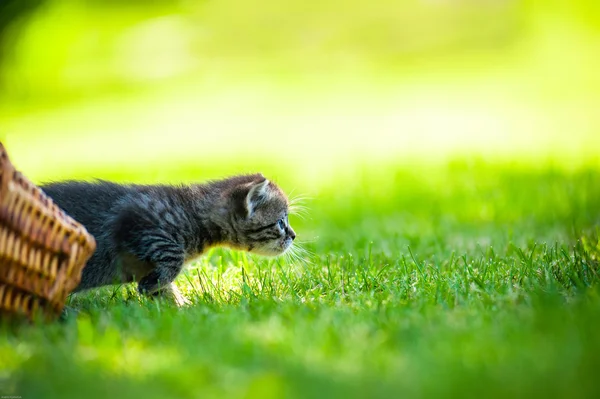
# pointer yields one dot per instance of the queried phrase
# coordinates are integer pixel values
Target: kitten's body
(147, 233)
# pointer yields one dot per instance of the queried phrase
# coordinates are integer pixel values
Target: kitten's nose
(291, 233)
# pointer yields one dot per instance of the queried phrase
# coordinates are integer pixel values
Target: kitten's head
(258, 216)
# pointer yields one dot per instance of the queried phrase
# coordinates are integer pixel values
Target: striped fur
(145, 233)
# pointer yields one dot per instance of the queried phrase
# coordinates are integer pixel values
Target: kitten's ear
(257, 194)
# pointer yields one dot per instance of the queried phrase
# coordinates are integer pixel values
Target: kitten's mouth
(272, 250)
(287, 244)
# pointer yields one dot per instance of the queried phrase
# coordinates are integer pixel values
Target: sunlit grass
(452, 248)
(422, 281)
(450, 236)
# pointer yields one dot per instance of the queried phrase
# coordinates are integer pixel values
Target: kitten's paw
(181, 300)
(149, 285)
(176, 296)
(172, 294)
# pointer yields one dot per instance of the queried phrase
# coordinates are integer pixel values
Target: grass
(424, 272)
(459, 280)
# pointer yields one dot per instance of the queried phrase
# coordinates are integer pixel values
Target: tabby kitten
(146, 233)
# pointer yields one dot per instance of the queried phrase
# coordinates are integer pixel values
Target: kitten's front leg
(167, 268)
(140, 234)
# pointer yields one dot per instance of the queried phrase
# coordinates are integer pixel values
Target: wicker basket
(42, 249)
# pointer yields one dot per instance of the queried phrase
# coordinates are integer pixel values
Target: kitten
(145, 233)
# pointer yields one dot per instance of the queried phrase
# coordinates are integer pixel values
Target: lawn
(449, 160)
(468, 278)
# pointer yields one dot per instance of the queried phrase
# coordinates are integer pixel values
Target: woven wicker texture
(42, 249)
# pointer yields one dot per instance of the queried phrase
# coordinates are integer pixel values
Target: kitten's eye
(281, 224)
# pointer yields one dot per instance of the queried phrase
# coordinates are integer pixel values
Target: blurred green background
(450, 149)
(104, 86)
